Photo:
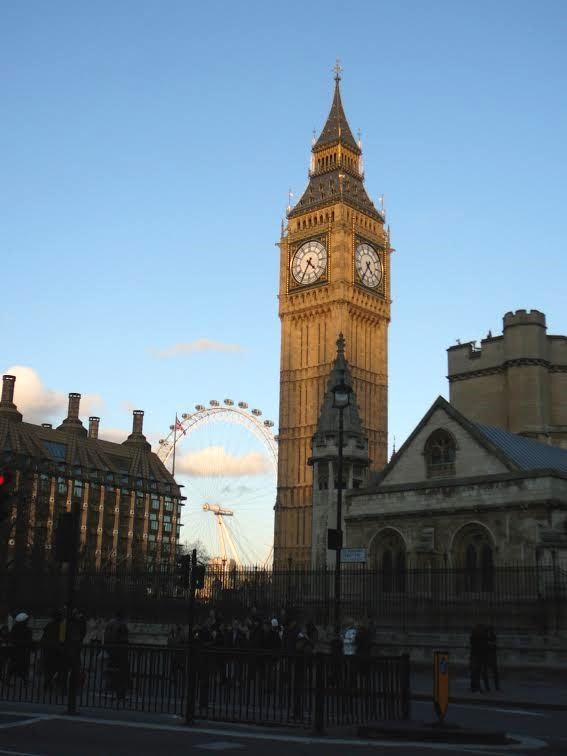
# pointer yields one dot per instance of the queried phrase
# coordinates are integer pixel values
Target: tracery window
(440, 453)
(474, 559)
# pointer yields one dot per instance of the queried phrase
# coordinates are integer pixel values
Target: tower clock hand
(305, 271)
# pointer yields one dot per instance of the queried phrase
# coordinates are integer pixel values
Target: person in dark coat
(116, 650)
(478, 658)
(491, 659)
(53, 652)
(203, 643)
(302, 673)
(22, 644)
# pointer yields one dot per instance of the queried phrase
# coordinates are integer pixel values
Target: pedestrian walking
(21, 642)
(302, 672)
(116, 653)
(53, 653)
(491, 659)
(477, 661)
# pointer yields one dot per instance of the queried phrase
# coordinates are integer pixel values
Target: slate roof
(325, 189)
(72, 449)
(336, 128)
(526, 453)
(328, 421)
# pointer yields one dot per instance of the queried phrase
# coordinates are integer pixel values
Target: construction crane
(224, 535)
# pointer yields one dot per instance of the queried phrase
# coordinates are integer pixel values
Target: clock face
(368, 265)
(309, 262)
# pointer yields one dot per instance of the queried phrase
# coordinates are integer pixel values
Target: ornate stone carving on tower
(324, 460)
(334, 277)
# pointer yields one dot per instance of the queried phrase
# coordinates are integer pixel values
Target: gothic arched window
(387, 570)
(473, 554)
(440, 453)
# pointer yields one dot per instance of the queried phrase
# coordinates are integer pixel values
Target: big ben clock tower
(334, 278)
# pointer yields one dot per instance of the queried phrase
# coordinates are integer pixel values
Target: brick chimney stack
(137, 436)
(7, 407)
(72, 423)
(94, 422)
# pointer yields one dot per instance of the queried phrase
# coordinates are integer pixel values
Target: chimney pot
(8, 409)
(8, 382)
(138, 421)
(74, 404)
(93, 426)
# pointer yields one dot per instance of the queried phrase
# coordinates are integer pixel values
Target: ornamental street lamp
(341, 400)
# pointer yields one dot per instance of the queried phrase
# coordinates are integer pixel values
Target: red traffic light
(5, 477)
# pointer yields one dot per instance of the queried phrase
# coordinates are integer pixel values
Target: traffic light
(199, 576)
(182, 571)
(6, 493)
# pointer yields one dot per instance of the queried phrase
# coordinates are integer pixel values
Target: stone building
(129, 504)
(334, 277)
(516, 381)
(324, 458)
(465, 495)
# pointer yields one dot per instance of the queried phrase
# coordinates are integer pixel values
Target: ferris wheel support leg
(221, 537)
(232, 547)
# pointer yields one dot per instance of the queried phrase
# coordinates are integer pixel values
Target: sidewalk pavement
(529, 688)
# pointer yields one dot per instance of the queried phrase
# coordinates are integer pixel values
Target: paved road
(31, 733)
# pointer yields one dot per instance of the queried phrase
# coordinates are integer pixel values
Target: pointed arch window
(440, 453)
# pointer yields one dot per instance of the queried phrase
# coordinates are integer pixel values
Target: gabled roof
(336, 128)
(515, 452)
(527, 453)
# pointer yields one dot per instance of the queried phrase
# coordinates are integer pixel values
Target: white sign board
(353, 555)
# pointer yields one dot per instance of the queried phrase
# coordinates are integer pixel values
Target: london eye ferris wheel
(225, 454)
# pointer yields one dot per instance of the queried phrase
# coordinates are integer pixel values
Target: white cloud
(189, 347)
(214, 462)
(40, 404)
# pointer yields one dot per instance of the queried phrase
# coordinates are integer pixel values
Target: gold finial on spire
(338, 70)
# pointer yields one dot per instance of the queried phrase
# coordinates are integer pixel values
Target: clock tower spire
(334, 278)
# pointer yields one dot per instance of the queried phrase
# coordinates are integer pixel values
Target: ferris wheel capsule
(243, 405)
(276, 439)
(229, 402)
(256, 412)
(185, 415)
(269, 423)
(161, 442)
(199, 407)
(214, 403)
(172, 427)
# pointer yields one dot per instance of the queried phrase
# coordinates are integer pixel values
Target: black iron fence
(515, 598)
(314, 690)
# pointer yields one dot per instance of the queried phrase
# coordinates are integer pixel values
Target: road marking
(522, 742)
(19, 753)
(523, 712)
(520, 712)
(24, 722)
(219, 746)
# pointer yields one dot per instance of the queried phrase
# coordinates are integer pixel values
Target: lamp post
(341, 400)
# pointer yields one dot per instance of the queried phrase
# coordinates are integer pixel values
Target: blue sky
(147, 149)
